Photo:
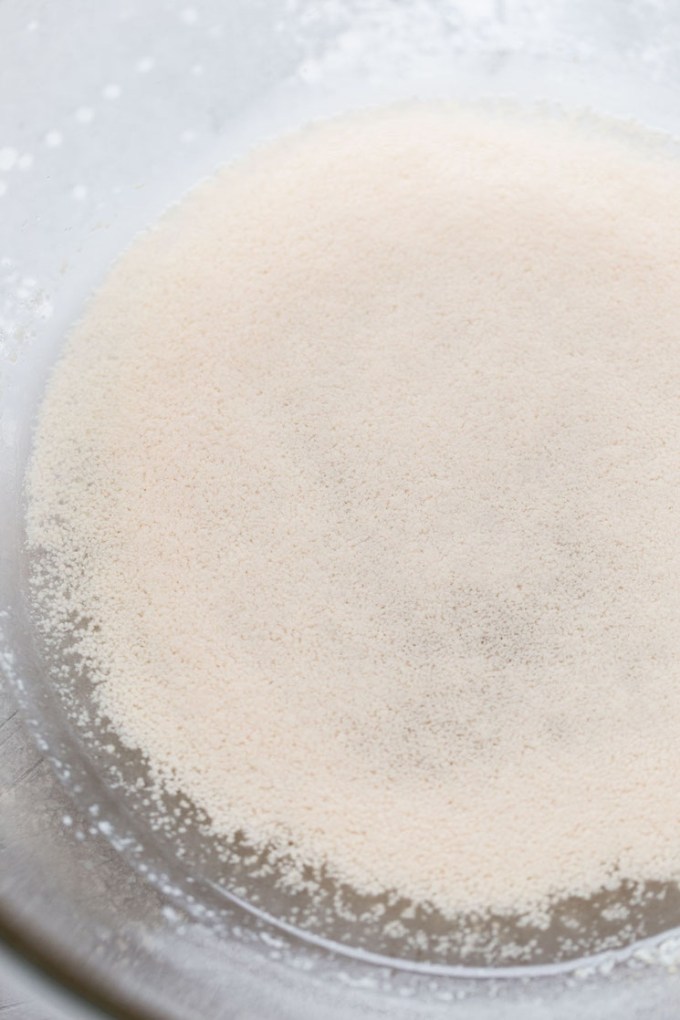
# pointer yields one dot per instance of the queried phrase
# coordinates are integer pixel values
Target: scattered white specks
(53, 139)
(112, 91)
(79, 192)
(189, 15)
(8, 158)
(668, 952)
(197, 69)
(3, 188)
(67, 821)
(32, 25)
(25, 161)
(187, 136)
(84, 114)
(145, 65)
(44, 308)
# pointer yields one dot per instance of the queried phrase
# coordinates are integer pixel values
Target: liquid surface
(357, 490)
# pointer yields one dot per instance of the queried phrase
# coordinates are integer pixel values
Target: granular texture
(361, 475)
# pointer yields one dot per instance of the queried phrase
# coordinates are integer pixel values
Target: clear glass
(108, 112)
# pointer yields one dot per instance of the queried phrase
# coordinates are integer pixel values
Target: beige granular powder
(364, 466)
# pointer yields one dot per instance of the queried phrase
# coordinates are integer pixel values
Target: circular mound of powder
(363, 471)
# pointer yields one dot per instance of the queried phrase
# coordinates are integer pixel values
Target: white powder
(364, 466)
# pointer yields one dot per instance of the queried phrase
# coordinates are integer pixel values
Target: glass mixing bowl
(108, 112)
